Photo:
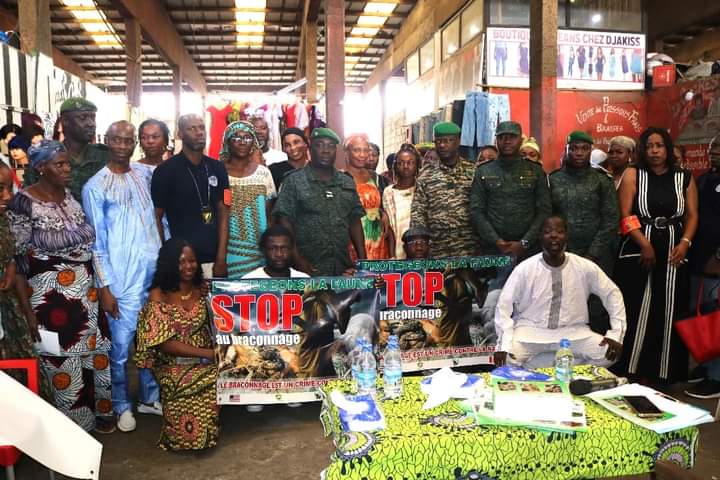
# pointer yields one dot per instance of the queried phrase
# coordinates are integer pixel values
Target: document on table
(677, 414)
(49, 343)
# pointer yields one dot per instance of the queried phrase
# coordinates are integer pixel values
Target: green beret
(446, 128)
(323, 132)
(414, 233)
(77, 104)
(579, 136)
(513, 128)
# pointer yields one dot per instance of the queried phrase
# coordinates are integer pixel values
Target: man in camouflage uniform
(510, 198)
(77, 117)
(442, 193)
(321, 207)
(586, 198)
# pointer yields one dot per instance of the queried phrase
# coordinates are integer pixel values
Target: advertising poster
(442, 310)
(586, 60)
(691, 111)
(280, 340)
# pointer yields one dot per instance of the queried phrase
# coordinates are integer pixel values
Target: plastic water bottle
(367, 371)
(354, 357)
(392, 368)
(564, 361)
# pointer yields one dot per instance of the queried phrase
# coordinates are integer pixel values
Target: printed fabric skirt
(189, 402)
(65, 301)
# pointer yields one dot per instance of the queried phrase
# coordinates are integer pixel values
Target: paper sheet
(49, 342)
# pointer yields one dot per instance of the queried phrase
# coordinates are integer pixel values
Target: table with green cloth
(444, 443)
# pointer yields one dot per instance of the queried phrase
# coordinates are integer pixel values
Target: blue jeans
(122, 331)
(498, 110)
(474, 118)
(708, 303)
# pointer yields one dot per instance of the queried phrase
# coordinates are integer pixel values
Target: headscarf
(239, 126)
(625, 142)
(20, 142)
(597, 157)
(294, 131)
(44, 151)
(530, 142)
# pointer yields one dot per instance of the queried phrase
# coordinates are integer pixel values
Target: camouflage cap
(513, 128)
(323, 132)
(579, 136)
(77, 104)
(415, 232)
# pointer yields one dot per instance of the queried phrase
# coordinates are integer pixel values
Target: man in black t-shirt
(189, 189)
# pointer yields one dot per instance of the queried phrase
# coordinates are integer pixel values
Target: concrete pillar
(133, 54)
(335, 65)
(34, 26)
(543, 79)
(311, 70)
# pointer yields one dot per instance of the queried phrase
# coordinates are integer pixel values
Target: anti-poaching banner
(279, 340)
(442, 310)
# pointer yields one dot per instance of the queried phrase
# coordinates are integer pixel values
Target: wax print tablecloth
(443, 443)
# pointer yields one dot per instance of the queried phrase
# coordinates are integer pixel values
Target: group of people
(109, 252)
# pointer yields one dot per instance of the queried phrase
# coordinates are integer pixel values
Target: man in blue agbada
(117, 203)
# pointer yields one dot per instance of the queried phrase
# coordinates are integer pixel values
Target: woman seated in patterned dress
(174, 340)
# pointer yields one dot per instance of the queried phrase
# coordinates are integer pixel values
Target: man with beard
(442, 197)
(262, 132)
(77, 117)
(509, 198)
(189, 189)
(321, 207)
(545, 300)
(118, 205)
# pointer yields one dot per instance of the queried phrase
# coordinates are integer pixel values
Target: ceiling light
(451, 49)
(249, 17)
(364, 31)
(380, 7)
(596, 18)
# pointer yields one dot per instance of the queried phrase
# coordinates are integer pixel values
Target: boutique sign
(586, 60)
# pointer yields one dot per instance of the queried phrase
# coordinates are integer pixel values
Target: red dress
(218, 123)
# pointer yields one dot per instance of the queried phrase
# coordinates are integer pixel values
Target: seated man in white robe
(545, 300)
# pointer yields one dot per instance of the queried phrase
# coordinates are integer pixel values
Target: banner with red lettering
(586, 60)
(442, 310)
(279, 340)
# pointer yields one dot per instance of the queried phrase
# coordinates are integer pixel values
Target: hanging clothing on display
(218, 123)
(481, 114)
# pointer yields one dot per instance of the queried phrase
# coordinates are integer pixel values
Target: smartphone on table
(643, 407)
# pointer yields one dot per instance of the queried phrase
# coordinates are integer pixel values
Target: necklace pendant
(207, 215)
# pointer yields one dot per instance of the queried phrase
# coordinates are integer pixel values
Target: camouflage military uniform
(91, 161)
(442, 205)
(510, 199)
(586, 198)
(321, 214)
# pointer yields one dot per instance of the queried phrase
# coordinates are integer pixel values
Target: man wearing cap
(321, 207)
(509, 198)
(586, 198)
(77, 117)
(416, 243)
(442, 203)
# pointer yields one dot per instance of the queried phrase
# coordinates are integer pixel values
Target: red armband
(227, 197)
(628, 224)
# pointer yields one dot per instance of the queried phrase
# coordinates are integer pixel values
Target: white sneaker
(126, 421)
(254, 408)
(294, 404)
(154, 408)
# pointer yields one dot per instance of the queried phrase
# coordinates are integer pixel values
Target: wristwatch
(525, 244)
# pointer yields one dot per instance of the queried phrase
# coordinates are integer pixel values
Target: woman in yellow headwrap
(531, 150)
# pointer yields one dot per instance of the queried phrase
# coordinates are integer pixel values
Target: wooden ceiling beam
(159, 30)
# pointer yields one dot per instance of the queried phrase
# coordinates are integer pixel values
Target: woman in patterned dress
(55, 275)
(651, 268)
(251, 191)
(397, 199)
(173, 338)
(379, 240)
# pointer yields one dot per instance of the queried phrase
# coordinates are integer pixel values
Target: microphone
(583, 387)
